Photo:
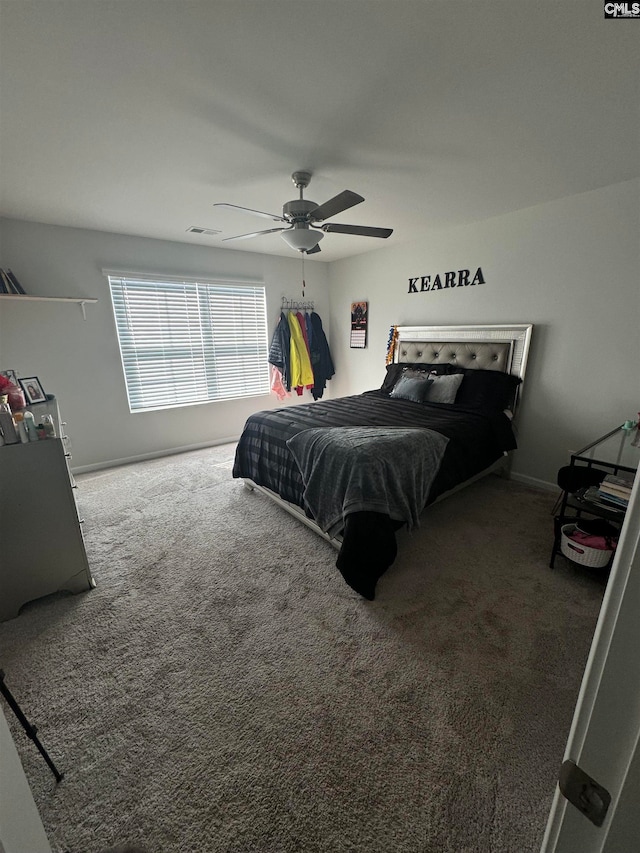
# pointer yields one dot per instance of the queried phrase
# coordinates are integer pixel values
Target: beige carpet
(222, 689)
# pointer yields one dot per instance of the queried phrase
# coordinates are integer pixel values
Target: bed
(355, 469)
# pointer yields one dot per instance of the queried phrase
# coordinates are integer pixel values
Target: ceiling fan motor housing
(298, 209)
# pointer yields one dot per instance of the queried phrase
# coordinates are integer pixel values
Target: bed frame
(503, 348)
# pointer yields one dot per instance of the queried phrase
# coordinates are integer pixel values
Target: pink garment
(277, 384)
(600, 543)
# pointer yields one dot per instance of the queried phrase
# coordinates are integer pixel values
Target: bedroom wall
(79, 360)
(569, 267)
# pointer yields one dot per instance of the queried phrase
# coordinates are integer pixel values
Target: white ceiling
(135, 117)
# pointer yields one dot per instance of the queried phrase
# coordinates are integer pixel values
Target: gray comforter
(376, 469)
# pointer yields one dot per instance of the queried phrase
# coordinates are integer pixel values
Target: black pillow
(395, 371)
(487, 389)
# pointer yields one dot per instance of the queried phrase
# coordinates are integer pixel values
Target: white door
(604, 740)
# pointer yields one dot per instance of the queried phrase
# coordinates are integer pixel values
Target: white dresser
(41, 542)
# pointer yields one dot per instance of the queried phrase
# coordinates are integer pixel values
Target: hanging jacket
(279, 350)
(321, 360)
(307, 320)
(303, 329)
(301, 372)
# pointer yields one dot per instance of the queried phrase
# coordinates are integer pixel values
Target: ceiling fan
(299, 218)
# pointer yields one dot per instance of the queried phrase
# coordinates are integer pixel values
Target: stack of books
(615, 490)
(9, 283)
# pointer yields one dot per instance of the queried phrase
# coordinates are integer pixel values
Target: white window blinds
(184, 342)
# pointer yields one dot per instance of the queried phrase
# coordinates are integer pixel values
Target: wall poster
(358, 325)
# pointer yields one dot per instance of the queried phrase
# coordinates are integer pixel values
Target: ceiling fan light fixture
(302, 238)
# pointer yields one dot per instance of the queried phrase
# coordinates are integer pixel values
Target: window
(187, 341)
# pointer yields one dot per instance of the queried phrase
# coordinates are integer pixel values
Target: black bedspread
(476, 440)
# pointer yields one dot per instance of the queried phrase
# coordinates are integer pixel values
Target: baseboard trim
(533, 481)
(158, 454)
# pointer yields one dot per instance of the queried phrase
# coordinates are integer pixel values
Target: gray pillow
(444, 388)
(412, 386)
(394, 372)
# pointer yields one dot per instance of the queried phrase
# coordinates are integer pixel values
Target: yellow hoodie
(301, 371)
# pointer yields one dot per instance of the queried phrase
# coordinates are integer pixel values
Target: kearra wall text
(453, 278)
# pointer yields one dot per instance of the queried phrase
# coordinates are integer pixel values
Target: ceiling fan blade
(273, 216)
(254, 234)
(362, 230)
(337, 204)
(313, 251)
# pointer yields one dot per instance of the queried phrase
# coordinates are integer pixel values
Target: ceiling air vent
(195, 229)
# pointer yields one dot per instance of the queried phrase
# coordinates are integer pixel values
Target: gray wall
(569, 267)
(79, 360)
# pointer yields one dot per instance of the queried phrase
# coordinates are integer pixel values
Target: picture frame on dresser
(33, 390)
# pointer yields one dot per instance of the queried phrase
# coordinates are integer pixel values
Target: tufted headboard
(479, 355)
(503, 348)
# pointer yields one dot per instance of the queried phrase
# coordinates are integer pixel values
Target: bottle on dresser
(7, 425)
(49, 426)
(30, 424)
(18, 419)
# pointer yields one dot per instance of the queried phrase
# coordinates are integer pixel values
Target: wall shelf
(78, 300)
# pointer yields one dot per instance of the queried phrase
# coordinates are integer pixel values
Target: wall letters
(453, 278)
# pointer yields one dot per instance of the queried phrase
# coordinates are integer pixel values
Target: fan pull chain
(303, 281)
